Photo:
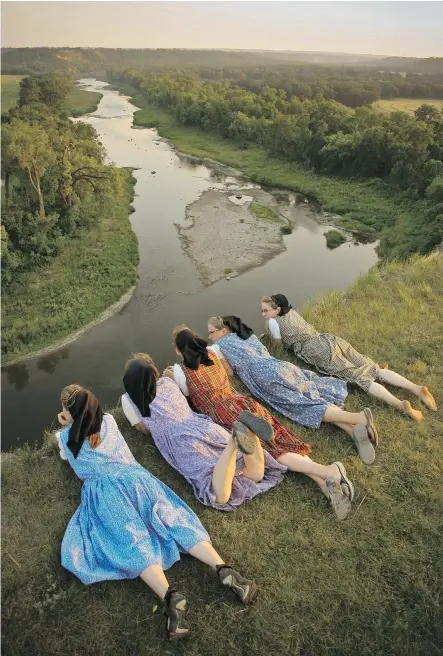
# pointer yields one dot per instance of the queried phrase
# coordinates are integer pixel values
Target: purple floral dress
(192, 444)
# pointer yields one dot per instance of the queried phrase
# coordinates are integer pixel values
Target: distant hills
(27, 61)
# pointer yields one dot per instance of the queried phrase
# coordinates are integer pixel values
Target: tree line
(55, 181)
(404, 151)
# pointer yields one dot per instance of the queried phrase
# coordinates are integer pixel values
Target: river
(169, 291)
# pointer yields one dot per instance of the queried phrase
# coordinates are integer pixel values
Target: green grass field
(78, 101)
(370, 207)
(408, 105)
(371, 586)
(93, 270)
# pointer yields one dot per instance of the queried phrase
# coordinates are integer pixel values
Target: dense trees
(405, 151)
(54, 177)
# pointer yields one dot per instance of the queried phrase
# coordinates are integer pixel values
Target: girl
(224, 469)
(128, 523)
(334, 356)
(301, 395)
(202, 377)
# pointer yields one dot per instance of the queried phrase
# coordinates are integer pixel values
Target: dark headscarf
(87, 415)
(141, 385)
(282, 303)
(237, 326)
(193, 349)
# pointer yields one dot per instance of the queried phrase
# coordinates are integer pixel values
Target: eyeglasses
(264, 311)
(211, 332)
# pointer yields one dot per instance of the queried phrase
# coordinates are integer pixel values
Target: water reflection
(49, 362)
(18, 376)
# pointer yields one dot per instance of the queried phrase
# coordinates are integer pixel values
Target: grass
(78, 101)
(265, 213)
(370, 586)
(93, 270)
(370, 208)
(408, 105)
(334, 239)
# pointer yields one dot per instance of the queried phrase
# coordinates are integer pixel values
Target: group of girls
(227, 445)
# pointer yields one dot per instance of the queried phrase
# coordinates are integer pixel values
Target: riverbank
(94, 270)
(371, 585)
(371, 208)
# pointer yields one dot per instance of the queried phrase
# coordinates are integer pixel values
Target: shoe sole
(180, 614)
(364, 445)
(242, 439)
(258, 425)
(341, 505)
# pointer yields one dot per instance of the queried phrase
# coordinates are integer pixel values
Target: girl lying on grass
(202, 377)
(332, 355)
(129, 523)
(224, 469)
(299, 394)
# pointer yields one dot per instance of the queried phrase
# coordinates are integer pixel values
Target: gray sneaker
(244, 589)
(363, 443)
(341, 505)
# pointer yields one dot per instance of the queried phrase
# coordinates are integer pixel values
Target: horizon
(350, 28)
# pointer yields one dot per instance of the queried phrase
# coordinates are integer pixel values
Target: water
(169, 291)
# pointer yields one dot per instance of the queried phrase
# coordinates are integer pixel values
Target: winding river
(169, 291)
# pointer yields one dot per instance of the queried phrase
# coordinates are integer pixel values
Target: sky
(385, 28)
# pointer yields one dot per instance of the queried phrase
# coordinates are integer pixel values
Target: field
(78, 101)
(371, 586)
(406, 104)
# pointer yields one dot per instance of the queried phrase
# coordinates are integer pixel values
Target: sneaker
(244, 589)
(176, 609)
(341, 505)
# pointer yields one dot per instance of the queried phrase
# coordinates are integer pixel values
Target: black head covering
(236, 325)
(282, 303)
(87, 415)
(193, 349)
(141, 385)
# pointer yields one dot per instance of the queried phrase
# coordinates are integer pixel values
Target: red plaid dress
(212, 394)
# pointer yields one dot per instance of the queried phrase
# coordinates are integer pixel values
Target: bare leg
(205, 552)
(254, 463)
(304, 465)
(155, 577)
(348, 428)
(392, 378)
(224, 472)
(383, 394)
(335, 415)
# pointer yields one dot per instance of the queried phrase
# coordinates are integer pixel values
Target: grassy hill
(370, 586)
(408, 105)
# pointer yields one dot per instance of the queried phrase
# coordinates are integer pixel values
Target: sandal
(363, 443)
(257, 425)
(176, 609)
(370, 427)
(243, 441)
(345, 482)
(341, 505)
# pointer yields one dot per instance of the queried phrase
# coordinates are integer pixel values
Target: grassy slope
(367, 587)
(78, 101)
(92, 272)
(406, 104)
(369, 207)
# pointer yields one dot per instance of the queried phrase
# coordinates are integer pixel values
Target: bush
(334, 239)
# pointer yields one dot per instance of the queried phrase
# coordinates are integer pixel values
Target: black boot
(244, 589)
(176, 609)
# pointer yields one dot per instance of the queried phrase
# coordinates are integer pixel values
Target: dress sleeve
(180, 379)
(63, 455)
(274, 329)
(129, 411)
(216, 349)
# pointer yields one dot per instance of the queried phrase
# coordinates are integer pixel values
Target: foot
(426, 397)
(258, 425)
(363, 444)
(416, 415)
(341, 505)
(244, 589)
(244, 441)
(176, 609)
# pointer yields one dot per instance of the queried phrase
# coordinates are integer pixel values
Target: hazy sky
(389, 28)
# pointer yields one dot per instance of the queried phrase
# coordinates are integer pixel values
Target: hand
(169, 372)
(62, 420)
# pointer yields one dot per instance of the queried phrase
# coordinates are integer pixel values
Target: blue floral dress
(297, 393)
(127, 519)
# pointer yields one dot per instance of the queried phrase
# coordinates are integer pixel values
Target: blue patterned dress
(192, 444)
(297, 393)
(127, 519)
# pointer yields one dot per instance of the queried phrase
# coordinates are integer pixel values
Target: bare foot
(416, 415)
(427, 398)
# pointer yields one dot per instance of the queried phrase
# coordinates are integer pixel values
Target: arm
(227, 367)
(132, 417)
(273, 329)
